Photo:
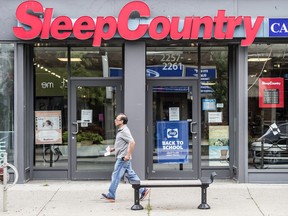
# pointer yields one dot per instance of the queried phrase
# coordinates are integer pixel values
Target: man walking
(123, 147)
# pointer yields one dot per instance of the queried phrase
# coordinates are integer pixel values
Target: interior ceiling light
(207, 83)
(71, 59)
(164, 52)
(260, 59)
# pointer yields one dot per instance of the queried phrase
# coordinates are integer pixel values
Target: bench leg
(136, 205)
(204, 204)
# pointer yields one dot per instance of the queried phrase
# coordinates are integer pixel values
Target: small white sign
(84, 124)
(215, 117)
(174, 114)
(86, 116)
(220, 105)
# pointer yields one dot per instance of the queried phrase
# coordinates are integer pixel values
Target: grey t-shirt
(123, 138)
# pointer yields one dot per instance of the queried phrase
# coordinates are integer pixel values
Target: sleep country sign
(35, 20)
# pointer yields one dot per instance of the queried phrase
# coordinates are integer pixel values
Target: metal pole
(5, 176)
(5, 166)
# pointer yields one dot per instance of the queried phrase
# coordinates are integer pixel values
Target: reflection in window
(267, 107)
(214, 106)
(7, 99)
(96, 62)
(183, 62)
(172, 62)
(50, 106)
(98, 106)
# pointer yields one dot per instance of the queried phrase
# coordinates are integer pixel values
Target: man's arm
(131, 147)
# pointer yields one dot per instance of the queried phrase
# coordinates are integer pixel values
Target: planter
(86, 142)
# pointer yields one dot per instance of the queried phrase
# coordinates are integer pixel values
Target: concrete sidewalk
(82, 198)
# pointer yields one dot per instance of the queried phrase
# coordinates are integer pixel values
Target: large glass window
(96, 62)
(183, 62)
(172, 61)
(268, 106)
(51, 109)
(214, 106)
(7, 99)
(51, 69)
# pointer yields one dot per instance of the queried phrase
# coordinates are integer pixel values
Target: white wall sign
(174, 114)
(215, 117)
(86, 117)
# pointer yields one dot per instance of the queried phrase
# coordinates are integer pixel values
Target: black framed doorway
(172, 103)
(94, 104)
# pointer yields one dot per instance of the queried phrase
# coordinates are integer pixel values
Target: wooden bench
(203, 183)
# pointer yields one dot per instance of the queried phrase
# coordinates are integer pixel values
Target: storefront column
(241, 111)
(19, 103)
(134, 100)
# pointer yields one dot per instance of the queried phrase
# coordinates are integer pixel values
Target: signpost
(4, 165)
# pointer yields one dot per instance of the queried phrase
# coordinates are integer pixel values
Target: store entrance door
(94, 105)
(173, 130)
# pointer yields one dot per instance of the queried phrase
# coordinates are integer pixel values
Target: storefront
(200, 87)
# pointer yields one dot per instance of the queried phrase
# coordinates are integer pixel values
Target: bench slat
(171, 182)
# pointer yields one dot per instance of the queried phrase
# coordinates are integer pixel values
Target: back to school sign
(172, 142)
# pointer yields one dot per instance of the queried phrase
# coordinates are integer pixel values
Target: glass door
(94, 105)
(173, 129)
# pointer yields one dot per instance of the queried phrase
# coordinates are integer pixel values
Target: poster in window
(48, 127)
(271, 92)
(174, 114)
(219, 145)
(208, 104)
(172, 142)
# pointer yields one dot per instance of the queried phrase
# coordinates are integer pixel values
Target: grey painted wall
(19, 101)
(241, 114)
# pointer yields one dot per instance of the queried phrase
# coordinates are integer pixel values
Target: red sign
(271, 92)
(104, 28)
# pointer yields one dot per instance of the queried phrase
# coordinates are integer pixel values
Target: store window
(51, 111)
(214, 106)
(96, 62)
(172, 61)
(51, 67)
(214, 93)
(268, 106)
(7, 100)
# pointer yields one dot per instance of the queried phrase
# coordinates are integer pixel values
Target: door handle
(191, 127)
(77, 128)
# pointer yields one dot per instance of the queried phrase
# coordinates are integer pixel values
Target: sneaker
(104, 196)
(144, 193)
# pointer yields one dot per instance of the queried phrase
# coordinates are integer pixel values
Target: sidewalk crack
(255, 202)
(44, 206)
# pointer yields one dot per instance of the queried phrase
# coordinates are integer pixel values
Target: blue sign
(207, 74)
(172, 142)
(208, 104)
(115, 72)
(278, 27)
(162, 71)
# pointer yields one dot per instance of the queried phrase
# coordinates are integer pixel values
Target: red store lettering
(105, 28)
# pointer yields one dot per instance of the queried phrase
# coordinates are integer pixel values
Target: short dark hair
(123, 117)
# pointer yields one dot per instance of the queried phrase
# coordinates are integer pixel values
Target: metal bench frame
(203, 183)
